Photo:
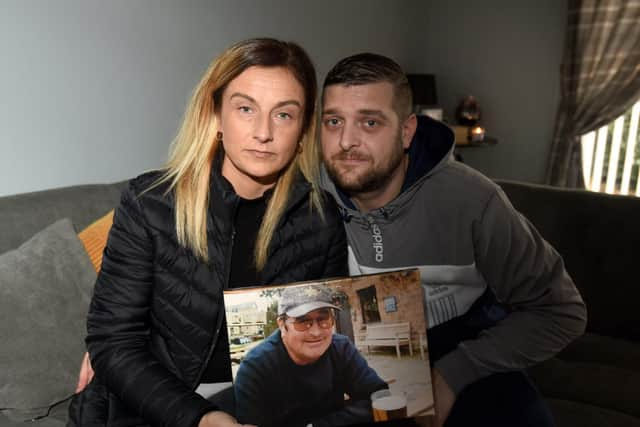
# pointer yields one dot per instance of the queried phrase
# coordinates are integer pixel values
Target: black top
(246, 224)
(247, 221)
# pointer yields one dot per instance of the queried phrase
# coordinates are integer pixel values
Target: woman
(238, 204)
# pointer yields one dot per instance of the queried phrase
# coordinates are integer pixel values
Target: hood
(431, 149)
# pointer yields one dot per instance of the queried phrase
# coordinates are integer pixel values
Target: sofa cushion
(45, 289)
(57, 417)
(572, 414)
(595, 384)
(594, 348)
(94, 239)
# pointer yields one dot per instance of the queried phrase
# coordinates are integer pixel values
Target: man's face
(307, 337)
(363, 141)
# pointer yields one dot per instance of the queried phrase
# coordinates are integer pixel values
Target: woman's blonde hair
(188, 169)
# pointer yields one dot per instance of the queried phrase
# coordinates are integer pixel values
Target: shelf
(486, 142)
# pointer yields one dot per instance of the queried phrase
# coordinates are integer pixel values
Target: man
(498, 296)
(301, 373)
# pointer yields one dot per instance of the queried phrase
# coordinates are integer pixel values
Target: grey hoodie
(461, 231)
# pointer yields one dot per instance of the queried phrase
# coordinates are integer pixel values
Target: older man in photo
(304, 373)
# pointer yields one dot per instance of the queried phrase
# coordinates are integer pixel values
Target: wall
(508, 55)
(93, 91)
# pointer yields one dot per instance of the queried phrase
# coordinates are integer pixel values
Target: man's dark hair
(365, 68)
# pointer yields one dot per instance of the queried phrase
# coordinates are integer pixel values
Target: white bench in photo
(387, 335)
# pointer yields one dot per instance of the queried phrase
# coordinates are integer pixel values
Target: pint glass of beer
(388, 405)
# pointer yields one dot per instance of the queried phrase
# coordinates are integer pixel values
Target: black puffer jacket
(157, 310)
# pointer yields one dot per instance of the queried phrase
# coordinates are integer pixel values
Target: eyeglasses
(302, 324)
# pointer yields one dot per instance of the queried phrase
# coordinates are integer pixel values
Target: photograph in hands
(336, 352)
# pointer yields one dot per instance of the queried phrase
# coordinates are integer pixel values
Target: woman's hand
(220, 419)
(86, 373)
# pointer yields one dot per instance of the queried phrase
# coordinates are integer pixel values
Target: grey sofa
(45, 284)
(594, 382)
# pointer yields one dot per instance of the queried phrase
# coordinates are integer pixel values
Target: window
(611, 156)
(369, 304)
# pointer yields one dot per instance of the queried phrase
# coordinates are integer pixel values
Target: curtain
(600, 79)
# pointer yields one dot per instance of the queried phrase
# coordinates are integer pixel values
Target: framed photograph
(390, 304)
(382, 357)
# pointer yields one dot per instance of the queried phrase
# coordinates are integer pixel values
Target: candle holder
(476, 134)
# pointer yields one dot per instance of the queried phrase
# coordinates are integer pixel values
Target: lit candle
(477, 133)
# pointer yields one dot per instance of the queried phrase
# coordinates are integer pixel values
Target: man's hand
(220, 419)
(444, 397)
(86, 373)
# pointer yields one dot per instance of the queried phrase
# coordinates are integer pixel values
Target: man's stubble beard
(371, 179)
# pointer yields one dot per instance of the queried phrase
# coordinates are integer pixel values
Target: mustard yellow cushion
(94, 239)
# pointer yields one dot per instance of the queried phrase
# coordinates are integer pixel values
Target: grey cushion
(45, 289)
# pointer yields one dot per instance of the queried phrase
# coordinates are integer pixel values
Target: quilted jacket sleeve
(119, 327)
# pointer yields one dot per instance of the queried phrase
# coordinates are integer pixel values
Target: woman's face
(261, 121)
